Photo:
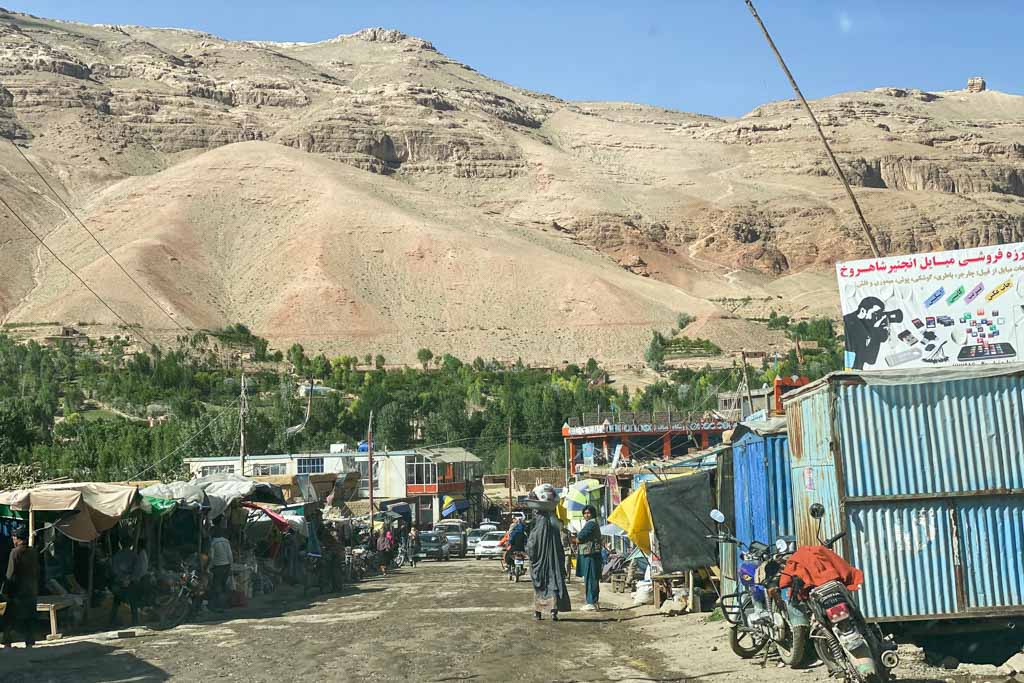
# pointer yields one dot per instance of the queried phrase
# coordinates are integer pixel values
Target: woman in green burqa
(588, 559)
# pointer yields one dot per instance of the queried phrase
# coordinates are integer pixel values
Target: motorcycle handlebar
(830, 542)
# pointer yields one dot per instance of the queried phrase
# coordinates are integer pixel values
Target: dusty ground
(439, 622)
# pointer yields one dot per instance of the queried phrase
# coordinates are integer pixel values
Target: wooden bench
(52, 605)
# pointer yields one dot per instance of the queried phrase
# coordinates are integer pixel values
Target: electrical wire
(226, 411)
(95, 239)
(72, 271)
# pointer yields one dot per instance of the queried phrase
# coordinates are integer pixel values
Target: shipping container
(761, 482)
(925, 473)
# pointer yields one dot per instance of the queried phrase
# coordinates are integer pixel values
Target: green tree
(297, 357)
(393, 429)
(424, 356)
(378, 362)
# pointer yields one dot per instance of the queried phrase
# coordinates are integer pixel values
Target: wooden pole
(689, 598)
(159, 542)
(824, 141)
(746, 381)
(242, 409)
(510, 463)
(31, 527)
(92, 573)
(369, 452)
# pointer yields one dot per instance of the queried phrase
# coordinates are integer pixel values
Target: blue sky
(702, 56)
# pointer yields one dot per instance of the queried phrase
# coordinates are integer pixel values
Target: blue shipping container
(925, 473)
(761, 483)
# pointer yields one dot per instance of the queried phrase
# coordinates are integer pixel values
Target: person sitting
(516, 542)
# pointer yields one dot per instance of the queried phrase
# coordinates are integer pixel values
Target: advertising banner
(963, 307)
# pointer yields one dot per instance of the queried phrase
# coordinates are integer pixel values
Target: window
(418, 470)
(311, 466)
(270, 469)
(207, 470)
(364, 474)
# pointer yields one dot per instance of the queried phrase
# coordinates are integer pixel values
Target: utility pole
(510, 463)
(369, 450)
(243, 409)
(824, 141)
(746, 383)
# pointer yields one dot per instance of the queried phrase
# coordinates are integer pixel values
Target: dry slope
(390, 197)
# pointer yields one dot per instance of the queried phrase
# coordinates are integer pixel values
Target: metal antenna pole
(828, 149)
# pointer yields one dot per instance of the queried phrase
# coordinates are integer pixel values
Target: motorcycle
(757, 612)
(178, 599)
(842, 638)
(517, 567)
(400, 558)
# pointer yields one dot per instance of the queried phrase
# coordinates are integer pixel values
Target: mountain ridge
(720, 218)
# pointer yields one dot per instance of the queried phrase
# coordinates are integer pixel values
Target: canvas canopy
(174, 494)
(81, 511)
(634, 517)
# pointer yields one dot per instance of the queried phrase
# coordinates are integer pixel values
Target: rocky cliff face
(714, 208)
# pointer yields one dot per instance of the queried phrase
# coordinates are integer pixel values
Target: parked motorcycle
(842, 638)
(757, 612)
(177, 599)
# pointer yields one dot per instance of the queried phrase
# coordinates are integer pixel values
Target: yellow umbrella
(634, 517)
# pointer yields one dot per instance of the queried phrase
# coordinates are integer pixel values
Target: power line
(72, 271)
(95, 239)
(227, 410)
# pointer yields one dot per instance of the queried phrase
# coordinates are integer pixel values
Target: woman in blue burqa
(547, 556)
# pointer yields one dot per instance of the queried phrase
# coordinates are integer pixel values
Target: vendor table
(52, 605)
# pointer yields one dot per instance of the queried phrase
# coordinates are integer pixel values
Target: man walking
(21, 587)
(221, 559)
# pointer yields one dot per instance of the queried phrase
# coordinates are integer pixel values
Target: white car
(490, 545)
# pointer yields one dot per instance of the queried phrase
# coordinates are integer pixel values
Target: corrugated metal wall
(812, 471)
(928, 479)
(992, 532)
(946, 437)
(780, 485)
(764, 493)
(906, 553)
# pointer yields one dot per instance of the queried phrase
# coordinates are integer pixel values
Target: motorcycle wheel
(793, 647)
(173, 611)
(744, 643)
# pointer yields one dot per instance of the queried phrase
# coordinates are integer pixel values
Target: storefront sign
(963, 307)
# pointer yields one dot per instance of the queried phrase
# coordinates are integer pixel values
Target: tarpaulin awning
(680, 510)
(612, 530)
(96, 506)
(279, 521)
(181, 493)
(634, 517)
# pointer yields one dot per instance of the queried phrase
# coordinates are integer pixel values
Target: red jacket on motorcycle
(815, 565)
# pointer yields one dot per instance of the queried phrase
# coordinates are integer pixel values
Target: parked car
(473, 537)
(456, 540)
(434, 546)
(490, 545)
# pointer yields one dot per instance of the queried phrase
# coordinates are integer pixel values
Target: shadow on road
(82, 662)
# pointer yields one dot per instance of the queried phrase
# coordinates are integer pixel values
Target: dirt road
(451, 621)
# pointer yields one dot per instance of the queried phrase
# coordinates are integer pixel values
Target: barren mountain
(369, 194)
